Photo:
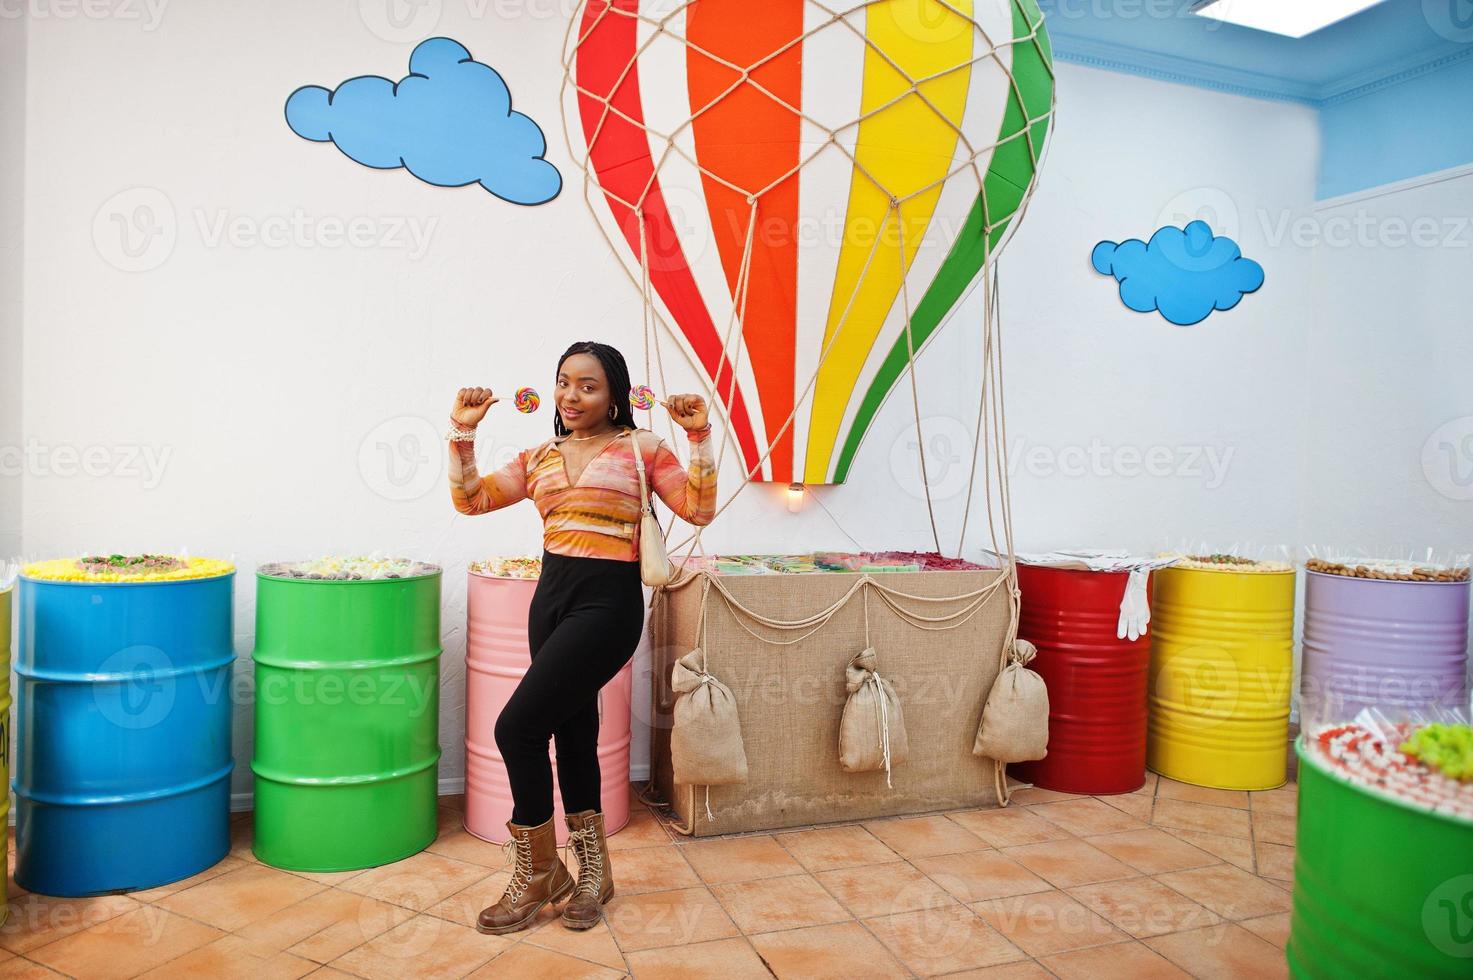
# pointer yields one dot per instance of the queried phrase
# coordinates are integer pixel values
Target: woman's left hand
(688, 410)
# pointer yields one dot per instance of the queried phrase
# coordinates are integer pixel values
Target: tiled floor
(1169, 881)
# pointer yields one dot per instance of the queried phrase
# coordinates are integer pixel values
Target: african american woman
(587, 613)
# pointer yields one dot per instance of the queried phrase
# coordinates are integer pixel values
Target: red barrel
(1096, 682)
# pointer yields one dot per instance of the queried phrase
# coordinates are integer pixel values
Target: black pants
(586, 619)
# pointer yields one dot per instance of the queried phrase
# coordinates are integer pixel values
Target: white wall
(1390, 423)
(12, 257)
(1388, 428)
(1091, 382)
(288, 401)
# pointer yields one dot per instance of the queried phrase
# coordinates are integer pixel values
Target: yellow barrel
(1222, 668)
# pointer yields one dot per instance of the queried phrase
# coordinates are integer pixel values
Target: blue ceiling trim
(1111, 56)
(1174, 68)
(1388, 75)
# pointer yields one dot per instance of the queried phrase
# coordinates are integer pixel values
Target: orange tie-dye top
(598, 517)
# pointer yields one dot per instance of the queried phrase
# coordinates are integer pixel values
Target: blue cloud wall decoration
(449, 122)
(1185, 273)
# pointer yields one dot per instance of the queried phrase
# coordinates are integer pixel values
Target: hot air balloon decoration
(805, 192)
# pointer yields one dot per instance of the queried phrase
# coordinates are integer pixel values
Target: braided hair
(616, 372)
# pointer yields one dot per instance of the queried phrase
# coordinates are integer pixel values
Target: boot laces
(583, 842)
(518, 852)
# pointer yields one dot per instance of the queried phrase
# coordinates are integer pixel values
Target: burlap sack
(872, 729)
(706, 738)
(1014, 724)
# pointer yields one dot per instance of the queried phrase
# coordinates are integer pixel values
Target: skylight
(1291, 18)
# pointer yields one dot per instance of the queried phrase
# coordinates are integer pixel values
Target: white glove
(1135, 608)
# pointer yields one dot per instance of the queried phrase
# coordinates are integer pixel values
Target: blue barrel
(6, 594)
(122, 770)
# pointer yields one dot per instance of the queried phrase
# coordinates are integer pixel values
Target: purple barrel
(1382, 642)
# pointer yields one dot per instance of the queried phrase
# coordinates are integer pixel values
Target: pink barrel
(1382, 642)
(496, 657)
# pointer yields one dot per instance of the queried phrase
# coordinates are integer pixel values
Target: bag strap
(644, 491)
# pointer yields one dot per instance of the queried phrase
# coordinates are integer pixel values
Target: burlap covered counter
(791, 695)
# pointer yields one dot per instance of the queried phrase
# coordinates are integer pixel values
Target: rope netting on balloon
(915, 53)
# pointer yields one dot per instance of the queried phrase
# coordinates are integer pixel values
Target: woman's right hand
(471, 405)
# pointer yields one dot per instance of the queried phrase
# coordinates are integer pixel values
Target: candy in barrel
(123, 722)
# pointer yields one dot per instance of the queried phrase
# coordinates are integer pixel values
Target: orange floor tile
(1173, 880)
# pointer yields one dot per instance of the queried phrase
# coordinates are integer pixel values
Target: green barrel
(347, 720)
(1381, 888)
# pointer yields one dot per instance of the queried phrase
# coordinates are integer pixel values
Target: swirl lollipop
(642, 397)
(527, 400)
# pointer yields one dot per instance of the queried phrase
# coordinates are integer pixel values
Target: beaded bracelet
(459, 434)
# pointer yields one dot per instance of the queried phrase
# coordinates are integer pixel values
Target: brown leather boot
(538, 877)
(595, 876)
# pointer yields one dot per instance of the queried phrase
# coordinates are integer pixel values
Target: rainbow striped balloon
(808, 176)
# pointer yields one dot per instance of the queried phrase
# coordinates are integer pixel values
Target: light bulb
(795, 497)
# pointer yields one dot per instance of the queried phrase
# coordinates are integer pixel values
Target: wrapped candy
(126, 568)
(1231, 563)
(1390, 569)
(525, 567)
(349, 568)
(1424, 764)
